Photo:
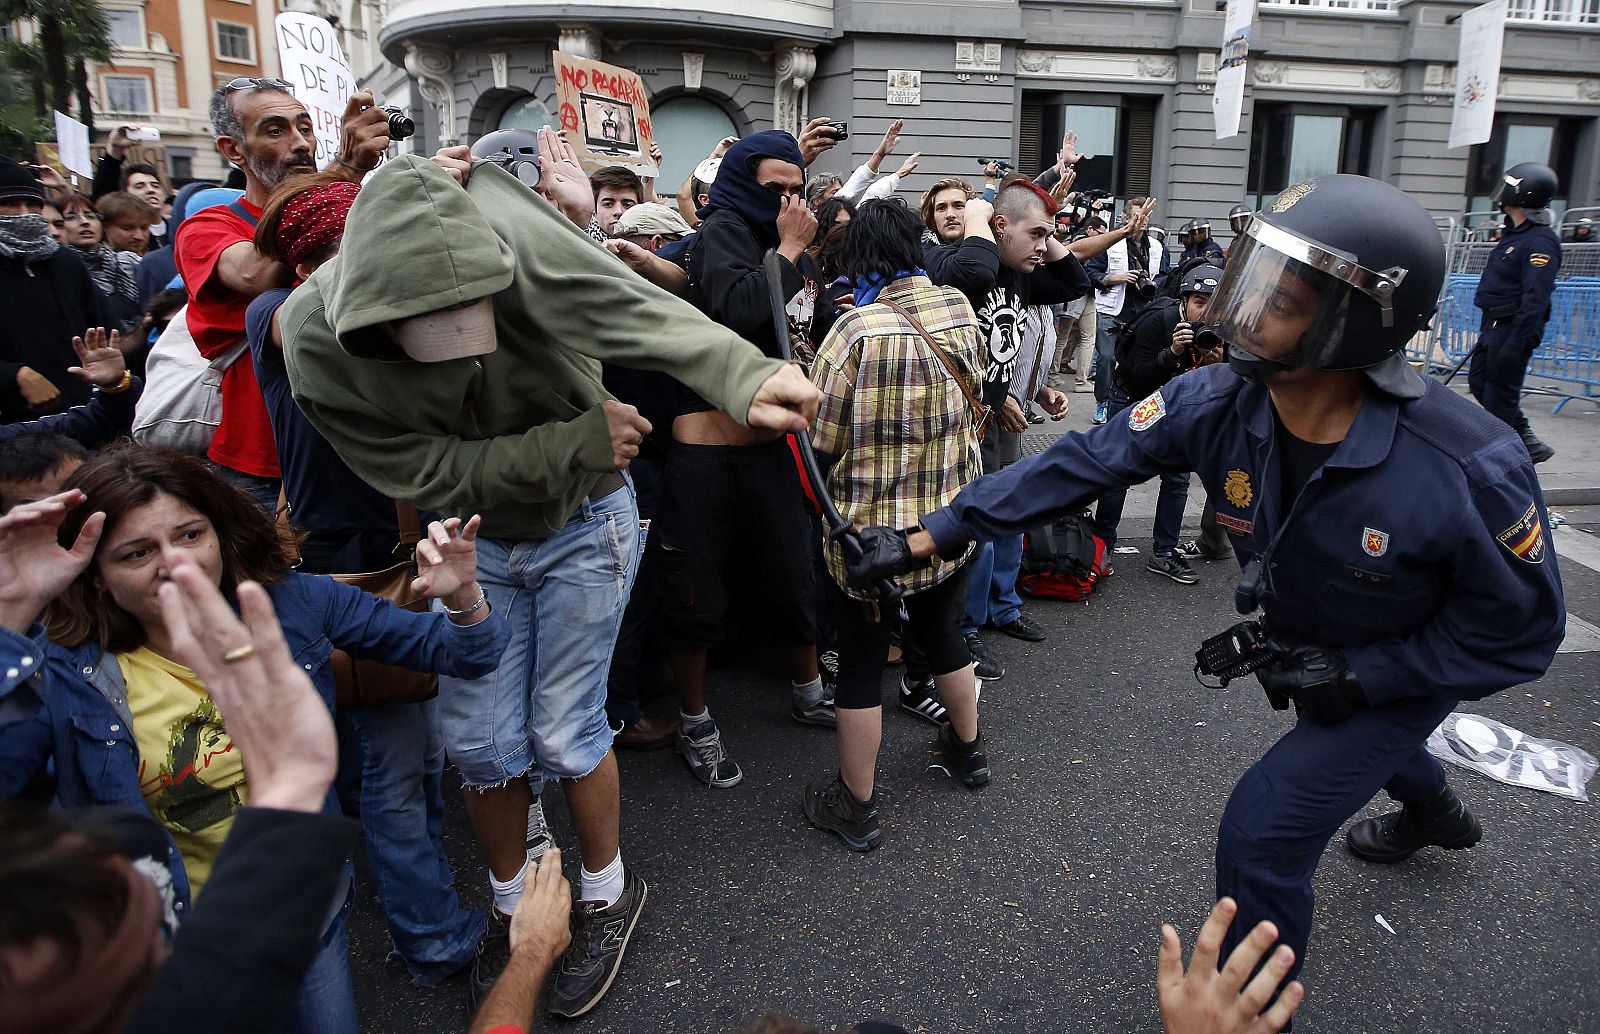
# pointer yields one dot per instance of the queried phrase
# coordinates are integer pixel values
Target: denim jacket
(84, 727)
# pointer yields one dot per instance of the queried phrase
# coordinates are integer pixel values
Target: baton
(839, 529)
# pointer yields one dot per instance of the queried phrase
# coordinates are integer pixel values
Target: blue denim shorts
(542, 713)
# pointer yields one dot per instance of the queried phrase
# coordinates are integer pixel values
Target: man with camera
(1164, 340)
(1393, 533)
(1122, 282)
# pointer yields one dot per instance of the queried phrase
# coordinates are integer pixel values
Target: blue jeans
(263, 490)
(1105, 350)
(1170, 501)
(401, 795)
(1285, 809)
(542, 713)
(992, 584)
(327, 1002)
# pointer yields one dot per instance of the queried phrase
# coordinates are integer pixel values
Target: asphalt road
(1033, 905)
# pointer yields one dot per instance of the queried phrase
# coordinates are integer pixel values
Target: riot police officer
(1238, 219)
(1200, 243)
(1393, 534)
(1514, 294)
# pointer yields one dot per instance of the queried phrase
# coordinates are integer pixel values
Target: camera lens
(401, 125)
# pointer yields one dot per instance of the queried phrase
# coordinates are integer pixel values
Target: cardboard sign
(605, 111)
(313, 61)
(72, 144)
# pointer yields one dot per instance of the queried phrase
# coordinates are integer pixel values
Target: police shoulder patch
(1525, 539)
(1538, 259)
(1147, 413)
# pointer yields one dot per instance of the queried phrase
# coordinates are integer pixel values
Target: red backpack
(1064, 560)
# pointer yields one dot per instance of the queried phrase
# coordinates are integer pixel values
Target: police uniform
(1420, 549)
(1514, 294)
(1207, 248)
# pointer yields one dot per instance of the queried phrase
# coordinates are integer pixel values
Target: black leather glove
(1317, 679)
(876, 554)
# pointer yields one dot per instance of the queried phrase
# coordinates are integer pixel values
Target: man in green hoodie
(451, 353)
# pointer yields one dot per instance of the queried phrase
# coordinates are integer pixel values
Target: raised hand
(562, 180)
(282, 729)
(447, 563)
(1068, 156)
(909, 166)
(1204, 1000)
(100, 359)
(34, 568)
(363, 133)
(814, 139)
(727, 142)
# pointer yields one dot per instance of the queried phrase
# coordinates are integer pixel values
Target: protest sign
(1483, 31)
(1227, 103)
(316, 68)
(605, 111)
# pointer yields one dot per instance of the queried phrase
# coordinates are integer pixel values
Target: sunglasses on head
(248, 82)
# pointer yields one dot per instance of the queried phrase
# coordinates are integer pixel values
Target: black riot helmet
(1199, 230)
(1238, 216)
(514, 150)
(1337, 274)
(1526, 185)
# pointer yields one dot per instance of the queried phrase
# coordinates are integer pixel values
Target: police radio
(1242, 650)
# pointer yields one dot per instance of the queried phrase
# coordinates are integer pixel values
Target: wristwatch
(121, 386)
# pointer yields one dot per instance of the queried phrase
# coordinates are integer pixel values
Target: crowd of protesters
(429, 366)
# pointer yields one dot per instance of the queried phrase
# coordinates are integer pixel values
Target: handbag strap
(405, 515)
(978, 408)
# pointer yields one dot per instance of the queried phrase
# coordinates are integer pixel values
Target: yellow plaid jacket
(900, 425)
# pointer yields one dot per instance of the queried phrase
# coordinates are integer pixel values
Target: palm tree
(70, 32)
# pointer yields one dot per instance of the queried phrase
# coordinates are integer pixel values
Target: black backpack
(1152, 309)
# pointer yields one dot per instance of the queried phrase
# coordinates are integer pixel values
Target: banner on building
(1227, 102)
(605, 111)
(905, 86)
(1478, 74)
(315, 65)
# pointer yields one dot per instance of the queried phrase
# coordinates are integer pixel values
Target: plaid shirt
(899, 423)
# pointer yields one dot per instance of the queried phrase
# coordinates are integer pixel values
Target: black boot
(1538, 451)
(1400, 834)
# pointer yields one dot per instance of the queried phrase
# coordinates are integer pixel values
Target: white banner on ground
(1227, 101)
(1505, 754)
(72, 144)
(314, 63)
(1478, 74)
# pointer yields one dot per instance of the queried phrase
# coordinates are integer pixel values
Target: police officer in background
(1238, 219)
(1393, 533)
(1200, 243)
(1514, 294)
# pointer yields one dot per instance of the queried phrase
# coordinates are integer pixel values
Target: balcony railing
(1554, 12)
(1359, 6)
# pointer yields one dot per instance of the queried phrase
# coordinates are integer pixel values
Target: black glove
(882, 553)
(1317, 679)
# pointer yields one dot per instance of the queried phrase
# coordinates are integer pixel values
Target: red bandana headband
(313, 220)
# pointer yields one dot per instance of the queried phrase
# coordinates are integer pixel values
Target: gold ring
(239, 653)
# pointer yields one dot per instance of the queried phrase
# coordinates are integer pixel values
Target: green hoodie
(517, 435)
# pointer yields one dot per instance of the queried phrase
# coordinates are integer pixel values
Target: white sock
(808, 694)
(507, 894)
(690, 722)
(605, 885)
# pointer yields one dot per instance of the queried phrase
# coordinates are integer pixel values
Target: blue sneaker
(1099, 414)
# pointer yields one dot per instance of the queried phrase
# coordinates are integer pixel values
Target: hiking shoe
(1398, 835)
(701, 746)
(966, 763)
(820, 713)
(922, 701)
(599, 937)
(1172, 566)
(986, 665)
(830, 805)
(494, 951)
(1022, 629)
(539, 840)
(1099, 414)
(1191, 549)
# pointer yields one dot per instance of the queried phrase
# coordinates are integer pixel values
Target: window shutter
(1141, 149)
(1030, 139)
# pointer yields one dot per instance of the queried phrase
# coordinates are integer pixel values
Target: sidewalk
(1571, 478)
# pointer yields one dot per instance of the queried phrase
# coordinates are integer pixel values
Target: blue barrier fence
(1567, 363)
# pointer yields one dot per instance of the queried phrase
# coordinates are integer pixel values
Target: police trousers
(1290, 803)
(1496, 372)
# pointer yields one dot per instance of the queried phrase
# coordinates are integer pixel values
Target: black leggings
(934, 625)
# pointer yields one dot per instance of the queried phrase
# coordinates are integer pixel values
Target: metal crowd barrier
(1567, 363)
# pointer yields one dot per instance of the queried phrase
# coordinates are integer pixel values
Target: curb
(1572, 496)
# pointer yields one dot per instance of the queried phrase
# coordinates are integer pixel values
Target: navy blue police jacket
(1514, 291)
(1421, 548)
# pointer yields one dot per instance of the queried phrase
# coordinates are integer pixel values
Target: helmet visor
(1284, 299)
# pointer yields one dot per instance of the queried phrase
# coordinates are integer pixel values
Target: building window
(1364, 6)
(526, 113)
(182, 168)
(126, 94)
(1522, 138)
(1117, 140)
(235, 42)
(1560, 12)
(692, 126)
(126, 29)
(1291, 143)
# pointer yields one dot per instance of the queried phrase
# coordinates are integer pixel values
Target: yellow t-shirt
(190, 773)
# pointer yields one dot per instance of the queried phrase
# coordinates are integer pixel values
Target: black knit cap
(18, 180)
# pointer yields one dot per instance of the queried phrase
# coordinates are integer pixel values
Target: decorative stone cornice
(432, 68)
(1097, 66)
(793, 65)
